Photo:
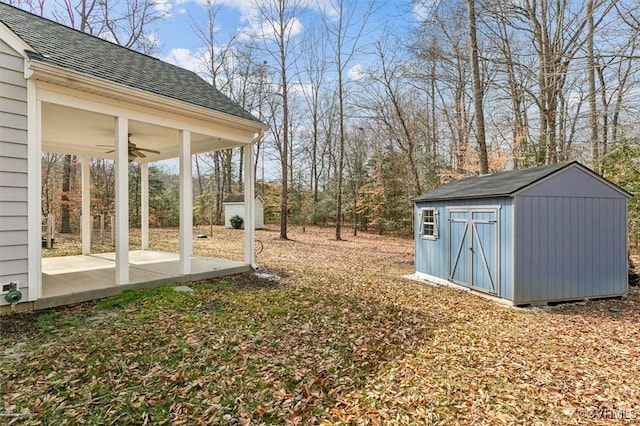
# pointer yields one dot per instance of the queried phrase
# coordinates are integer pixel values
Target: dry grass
(342, 339)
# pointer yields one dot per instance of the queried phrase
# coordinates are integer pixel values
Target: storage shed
(234, 205)
(533, 236)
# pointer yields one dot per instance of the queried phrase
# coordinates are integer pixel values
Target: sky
(179, 44)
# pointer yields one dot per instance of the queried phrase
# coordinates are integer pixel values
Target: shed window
(429, 223)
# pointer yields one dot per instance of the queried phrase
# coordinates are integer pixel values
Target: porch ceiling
(67, 130)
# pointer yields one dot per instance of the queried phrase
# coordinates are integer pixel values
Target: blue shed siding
(569, 248)
(431, 256)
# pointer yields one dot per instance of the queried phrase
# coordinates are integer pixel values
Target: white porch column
(34, 192)
(86, 205)
(122, 200)
(249, 207)
(186, 203)
(144, 208)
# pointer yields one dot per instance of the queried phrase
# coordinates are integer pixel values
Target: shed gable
(572, 182)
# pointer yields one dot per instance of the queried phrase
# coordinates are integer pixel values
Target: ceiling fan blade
(148, 150)
(133, 149)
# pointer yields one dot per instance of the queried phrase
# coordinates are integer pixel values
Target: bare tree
(313, 74)
(277, 41)
(591, 76)
(478, 109)
(393, 103)
(345, 27)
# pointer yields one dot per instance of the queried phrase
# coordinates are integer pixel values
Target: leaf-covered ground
(341, 338)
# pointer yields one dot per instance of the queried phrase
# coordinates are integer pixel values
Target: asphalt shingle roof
(501, 184)
(61, 46)
(237, 198)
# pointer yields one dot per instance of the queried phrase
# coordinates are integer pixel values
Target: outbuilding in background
(544, 234)
(234, 206)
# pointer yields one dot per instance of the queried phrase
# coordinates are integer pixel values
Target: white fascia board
(47, 72)
(14, 42)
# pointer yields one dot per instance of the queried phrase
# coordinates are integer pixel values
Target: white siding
(231, 209)
(13, 170)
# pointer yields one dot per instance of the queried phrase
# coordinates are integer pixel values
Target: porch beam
(186, 203)
(144, 207)
(122, 199)
(249, 207)
(86, 205)
(54, 94)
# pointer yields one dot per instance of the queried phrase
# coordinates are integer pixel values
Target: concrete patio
(74, 279)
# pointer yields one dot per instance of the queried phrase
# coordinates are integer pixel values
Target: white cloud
(255, 24)
(184, 58)
(164, 6)
(250, 9)
(356, 73)
(301, 89)
(269, 30)
(422, 10)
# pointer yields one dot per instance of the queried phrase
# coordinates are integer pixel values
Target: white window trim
(436, 223)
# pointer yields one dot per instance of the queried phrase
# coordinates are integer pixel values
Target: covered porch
(80, 96)
(72, 122)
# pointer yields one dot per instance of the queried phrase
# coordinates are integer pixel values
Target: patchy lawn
(340, 339)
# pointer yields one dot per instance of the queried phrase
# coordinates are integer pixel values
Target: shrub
(236, 222)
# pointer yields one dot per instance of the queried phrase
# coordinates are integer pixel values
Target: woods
(364, 116)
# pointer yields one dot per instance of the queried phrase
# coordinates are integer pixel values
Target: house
(234, 206)
(544, 234)
(63, 91)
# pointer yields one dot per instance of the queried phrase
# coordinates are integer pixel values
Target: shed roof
(502, 184)
(235, 198)
(58, 45)
(238, 198)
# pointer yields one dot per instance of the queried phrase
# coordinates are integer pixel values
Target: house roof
(503, 184)
(238, 198)
(58, 45)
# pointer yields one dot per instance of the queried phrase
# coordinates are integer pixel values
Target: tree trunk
(477, 89)
(65, 220)
(591, 74)
(284, 154)
(217, 176)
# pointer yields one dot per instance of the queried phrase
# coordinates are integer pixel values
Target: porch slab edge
(96, 294)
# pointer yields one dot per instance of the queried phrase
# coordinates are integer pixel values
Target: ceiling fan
(134, 151)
